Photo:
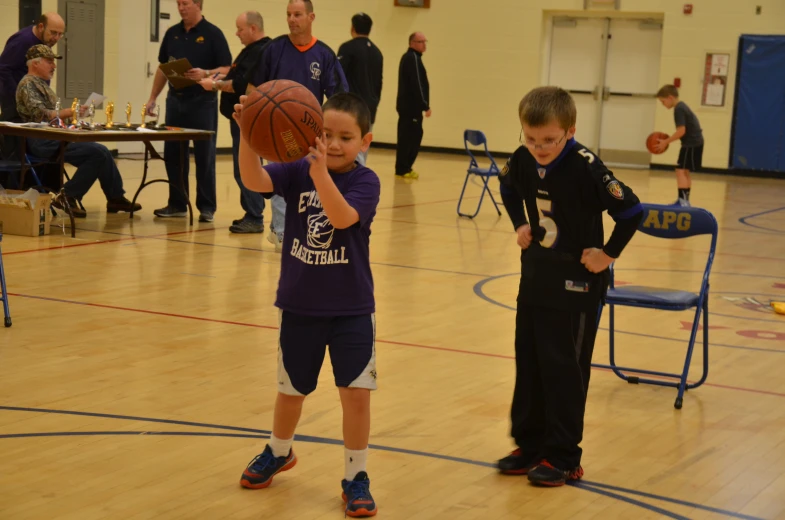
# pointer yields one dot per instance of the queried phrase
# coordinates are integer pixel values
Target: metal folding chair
(672, 223)
(4, 295)
(477, 138)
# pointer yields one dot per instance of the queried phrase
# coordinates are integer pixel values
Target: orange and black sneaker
(357, 495)
(261, 470)
(546, 474)
(516, 463)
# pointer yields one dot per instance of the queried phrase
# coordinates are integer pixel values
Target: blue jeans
(279, 215)
(93, 162)
(198, 113)
(252, 202)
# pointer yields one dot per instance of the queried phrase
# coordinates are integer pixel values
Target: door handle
(150, 73)
(606, 93)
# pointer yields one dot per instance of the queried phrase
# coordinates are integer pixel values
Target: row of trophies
(91, 125)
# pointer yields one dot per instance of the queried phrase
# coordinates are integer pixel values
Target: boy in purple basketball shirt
(325, 291)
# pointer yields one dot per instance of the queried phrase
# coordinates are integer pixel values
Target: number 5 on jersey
(545, 208)
(587, 155)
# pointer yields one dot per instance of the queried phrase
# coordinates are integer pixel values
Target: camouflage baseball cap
(41, 51)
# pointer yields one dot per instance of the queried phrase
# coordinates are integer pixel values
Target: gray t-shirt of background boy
(683, 116)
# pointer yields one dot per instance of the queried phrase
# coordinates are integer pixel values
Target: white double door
(611, 68)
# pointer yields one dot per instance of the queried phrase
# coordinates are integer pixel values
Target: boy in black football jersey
(564, 275)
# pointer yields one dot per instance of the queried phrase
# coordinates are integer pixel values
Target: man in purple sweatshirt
(13, 65)
(298, 56)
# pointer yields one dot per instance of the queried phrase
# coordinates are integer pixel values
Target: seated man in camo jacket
(35, 102)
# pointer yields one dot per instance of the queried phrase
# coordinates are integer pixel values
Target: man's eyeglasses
(547, 145)
(419, 41)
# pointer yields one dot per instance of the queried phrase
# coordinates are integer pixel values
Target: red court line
(113, 240)
(389, 342)
(68, 246)
(424, 203)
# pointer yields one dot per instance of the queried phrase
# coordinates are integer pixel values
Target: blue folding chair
(670, 222)
(4, 295)
(477, 138)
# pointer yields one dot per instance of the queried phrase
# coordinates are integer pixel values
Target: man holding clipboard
(190, 51)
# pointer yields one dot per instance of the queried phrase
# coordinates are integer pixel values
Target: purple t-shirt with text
(325, 271)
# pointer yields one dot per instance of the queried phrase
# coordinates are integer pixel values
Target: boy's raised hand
(238, 109)
(317, 157)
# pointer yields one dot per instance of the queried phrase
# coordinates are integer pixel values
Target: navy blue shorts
(302, 344)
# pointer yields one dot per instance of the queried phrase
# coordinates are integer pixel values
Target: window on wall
(155, 9)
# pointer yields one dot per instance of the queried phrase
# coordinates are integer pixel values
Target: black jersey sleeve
(510, 180)
(609, 194)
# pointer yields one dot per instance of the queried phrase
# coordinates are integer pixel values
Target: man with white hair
(36, 102)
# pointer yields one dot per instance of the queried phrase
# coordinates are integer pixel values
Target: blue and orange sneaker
(357, 495)
(261, 470)
(546, 474)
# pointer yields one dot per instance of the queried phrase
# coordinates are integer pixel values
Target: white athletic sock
(280, 447)
(355, 462)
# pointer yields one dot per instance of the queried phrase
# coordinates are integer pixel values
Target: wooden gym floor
(138, 378)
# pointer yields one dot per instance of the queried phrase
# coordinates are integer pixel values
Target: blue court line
(743, 220)
(478, 290)
(659, 510)
(134, 418)
(584, 485)
(666, 499)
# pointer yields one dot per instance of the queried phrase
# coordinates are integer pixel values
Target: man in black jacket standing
(362, 63)
(413, 100)
(250, 30)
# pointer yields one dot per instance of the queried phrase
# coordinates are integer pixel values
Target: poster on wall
(715, 79)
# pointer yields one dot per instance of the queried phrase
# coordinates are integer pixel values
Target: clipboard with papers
(175, 73)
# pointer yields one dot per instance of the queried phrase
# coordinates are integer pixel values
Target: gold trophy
(109, 115)
(75, 111)
(157, 115)
(91, 113)
(144, 114)
(128, 115)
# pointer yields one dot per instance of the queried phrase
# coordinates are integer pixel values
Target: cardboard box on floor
(25, 218)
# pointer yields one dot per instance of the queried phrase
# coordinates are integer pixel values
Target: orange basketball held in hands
(281, 119)
(651, 141)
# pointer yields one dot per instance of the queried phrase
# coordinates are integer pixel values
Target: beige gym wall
(482, 57)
